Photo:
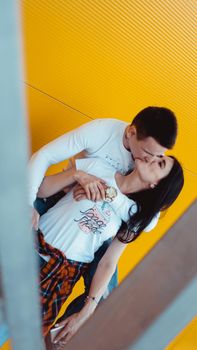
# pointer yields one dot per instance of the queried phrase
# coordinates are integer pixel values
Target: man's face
(147, 149)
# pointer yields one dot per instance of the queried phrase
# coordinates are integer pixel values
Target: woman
(72, 231)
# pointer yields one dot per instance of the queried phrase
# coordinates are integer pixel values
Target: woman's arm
(93, 186)
(104, 272)
(54, 183)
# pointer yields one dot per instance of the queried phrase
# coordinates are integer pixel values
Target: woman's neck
(130, 183)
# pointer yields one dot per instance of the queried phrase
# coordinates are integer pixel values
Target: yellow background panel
(88, 59)
(112, 58)
(186, 340)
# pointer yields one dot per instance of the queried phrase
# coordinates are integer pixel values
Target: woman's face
(154, 171)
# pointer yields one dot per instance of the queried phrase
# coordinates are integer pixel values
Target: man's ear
(131, 131)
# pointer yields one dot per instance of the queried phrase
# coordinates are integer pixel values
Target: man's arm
(104, 272)
(62, 148)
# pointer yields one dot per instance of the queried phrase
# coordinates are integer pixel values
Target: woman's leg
(55, 288)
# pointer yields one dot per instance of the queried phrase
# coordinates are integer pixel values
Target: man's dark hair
(157, 122)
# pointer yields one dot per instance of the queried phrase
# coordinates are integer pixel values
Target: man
(151, 132)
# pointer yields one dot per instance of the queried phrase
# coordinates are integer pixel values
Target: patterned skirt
(57, 279)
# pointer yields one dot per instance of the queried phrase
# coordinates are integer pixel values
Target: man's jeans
(42, 205)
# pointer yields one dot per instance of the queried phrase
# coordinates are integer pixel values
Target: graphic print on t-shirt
(94, 219)
(117, 165)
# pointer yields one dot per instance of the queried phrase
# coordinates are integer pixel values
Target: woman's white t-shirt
(78, 229)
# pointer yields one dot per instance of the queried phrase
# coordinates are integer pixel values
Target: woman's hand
(79, 193)
(93, 186)
(71, 326)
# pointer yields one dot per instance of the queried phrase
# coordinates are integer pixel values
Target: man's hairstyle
(157, 122)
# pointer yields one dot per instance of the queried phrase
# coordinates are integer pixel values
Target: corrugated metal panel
(111, 58)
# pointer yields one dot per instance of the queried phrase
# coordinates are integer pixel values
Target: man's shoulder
(100, 129)
(106, 121)
(112, 121)
(105, 126)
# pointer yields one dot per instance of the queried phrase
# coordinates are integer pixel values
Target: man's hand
(93, 186)
(71, 326)
(35, 219)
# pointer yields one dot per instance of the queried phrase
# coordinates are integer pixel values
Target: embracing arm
(57, 182)
(103, 274)
(62, 148)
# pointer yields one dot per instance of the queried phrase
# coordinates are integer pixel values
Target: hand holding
(79, 193)
(93, 186)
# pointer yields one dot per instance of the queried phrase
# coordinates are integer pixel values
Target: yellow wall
(110, 58)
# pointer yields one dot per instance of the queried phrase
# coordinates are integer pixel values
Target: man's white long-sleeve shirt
(100, 138)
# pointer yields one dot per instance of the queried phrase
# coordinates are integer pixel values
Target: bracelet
(93, 298)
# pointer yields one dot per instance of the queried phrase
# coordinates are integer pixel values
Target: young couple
(125, 181)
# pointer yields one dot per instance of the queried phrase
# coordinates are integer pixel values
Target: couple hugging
(118, 189)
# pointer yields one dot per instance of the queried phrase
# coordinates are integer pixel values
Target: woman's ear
(153, 185)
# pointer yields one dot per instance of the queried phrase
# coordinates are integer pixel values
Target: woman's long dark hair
(152, 201)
